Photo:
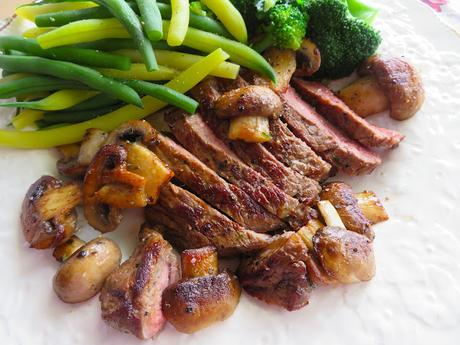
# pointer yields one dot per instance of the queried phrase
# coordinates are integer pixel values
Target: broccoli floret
(283, 22)
(287, 25)
(343, 40)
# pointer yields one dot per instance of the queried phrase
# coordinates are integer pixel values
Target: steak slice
(222, 195)
(197, 224)
(255, 155)
(197, 137)
(338, 113)
(278, 275)
(344, 154)
(131, 296)
(295, 153)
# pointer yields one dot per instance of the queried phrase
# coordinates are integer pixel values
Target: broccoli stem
(264, 44)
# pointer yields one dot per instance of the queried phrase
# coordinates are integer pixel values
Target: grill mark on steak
(338, 113)
(196, 223)
(327, 141)
(197, 137)
(203, 181)
(295, 153)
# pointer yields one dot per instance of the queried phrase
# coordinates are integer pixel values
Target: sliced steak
(325, 140)
(131, 296)
(338, 113)
(222, 195)
(257, 156)
(278, 275)
(295, 153)
(197, 224)
(197, 137)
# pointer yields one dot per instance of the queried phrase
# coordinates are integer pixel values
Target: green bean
(65, 17)
(71, 71)
(77, 116)
(33, 84)
(111, 44)
(165, 94)
(151, 18)
(99, 101)
(76, 55)
(125, 14)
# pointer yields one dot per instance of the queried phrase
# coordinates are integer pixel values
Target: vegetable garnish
(59, 100)
(124, 13)
(70, 134)
(26, 118)
(29, 12)
(180, 19)
(71, 71)
(182, 61)
(151, 18)
(230, 17)
(86, 57)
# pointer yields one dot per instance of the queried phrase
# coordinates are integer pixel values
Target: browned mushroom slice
(341, 197)
(371, 207)
(108, 185)
(250, 100)
(65, 250)
(92, 142)
(193, 304)
(48, 215)
(346, 256)
(199, 262)
(278, 275)
(132, 131)
(400, 82)
(145, 163)
(365, 97)
(68, 165)
(284, 64)
(308, 59)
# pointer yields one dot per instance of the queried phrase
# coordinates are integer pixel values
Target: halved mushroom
(251, 129)
(284, 64)
(132, 132)
(365, 97)
(65, 250)
(344, 255)
(250, 100)
(92, 142)
(199, 262)
(193, 304)
(121, 176)
(108, 185)
(48, 212)
(145, 163)
(341, 197)
(392, 78)
(308, 59)
(68, 164)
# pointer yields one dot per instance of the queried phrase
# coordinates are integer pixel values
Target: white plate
(415, 296)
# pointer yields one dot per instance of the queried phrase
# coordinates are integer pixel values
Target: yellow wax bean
(139, 71)
(180, 18)
(182, 61)
(29, 12)
(230, 17)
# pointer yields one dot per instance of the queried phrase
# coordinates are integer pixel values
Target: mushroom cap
(400, 81)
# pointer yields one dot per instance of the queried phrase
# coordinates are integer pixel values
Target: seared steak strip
(295, 153)
(197, 137)
(198, 223)
(338, 113)
(131, 296)
(324, 139)
(203, 181)
(278, 275)
(261, 160)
